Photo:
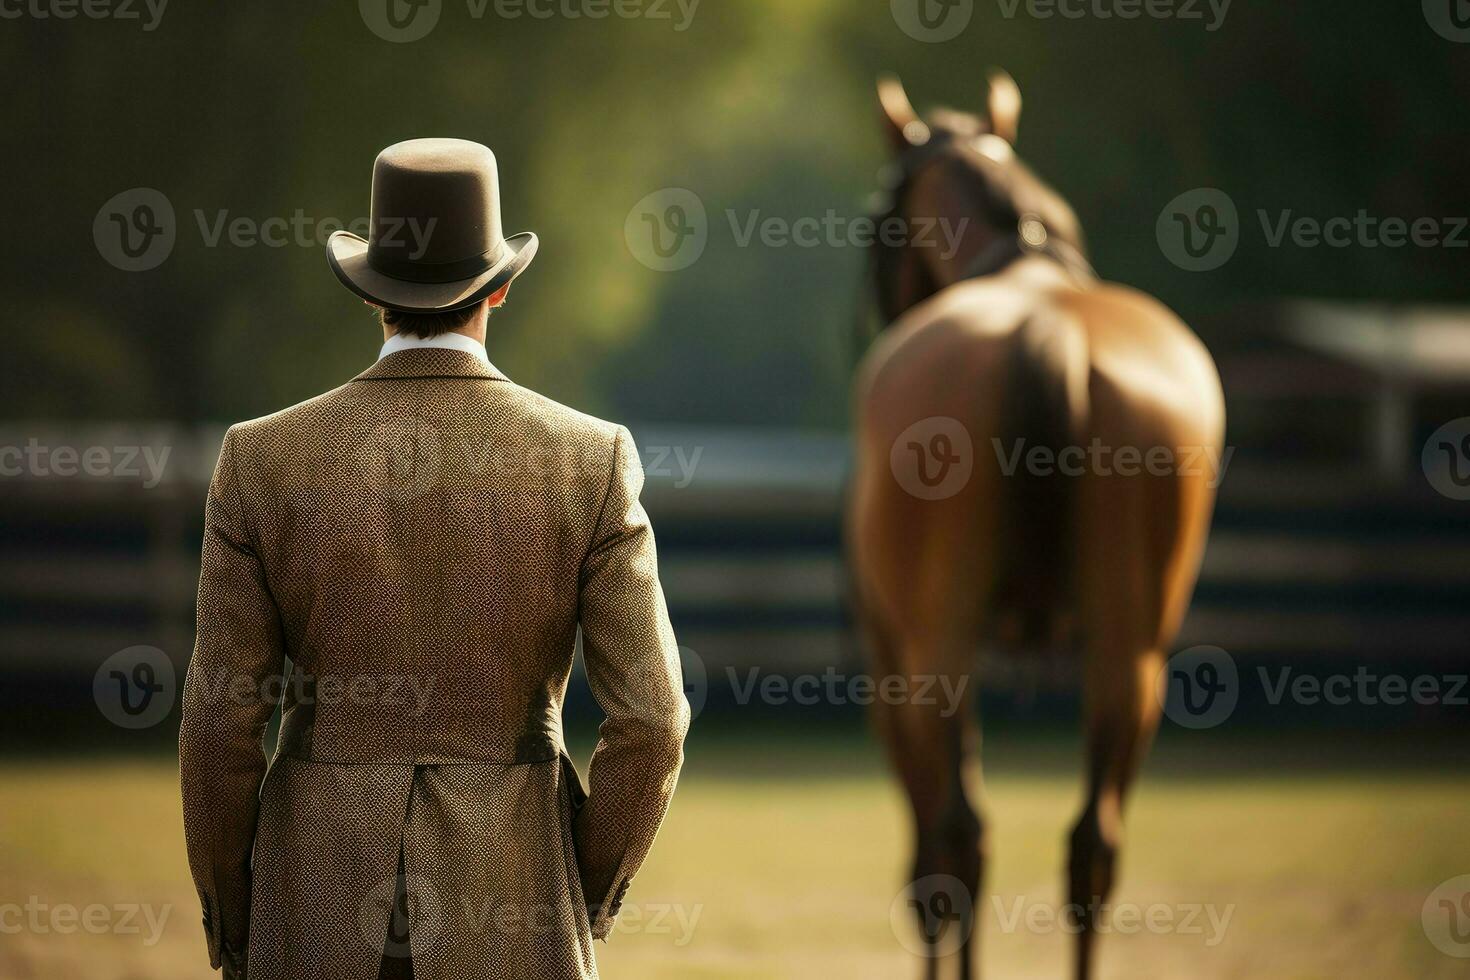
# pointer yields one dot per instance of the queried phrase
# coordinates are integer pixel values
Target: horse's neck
(1030, 272)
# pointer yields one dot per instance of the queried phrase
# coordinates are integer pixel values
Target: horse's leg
(1120, 606)
(933, 743)
(924, 571)
(1121, 716)
(1141, 537)
(882, 655)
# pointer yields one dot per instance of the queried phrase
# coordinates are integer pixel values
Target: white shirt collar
(445, 341)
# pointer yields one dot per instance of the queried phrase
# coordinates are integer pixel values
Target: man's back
(429, 520)
(423, 544)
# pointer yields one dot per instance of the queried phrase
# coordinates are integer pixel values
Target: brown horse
(1037, 452)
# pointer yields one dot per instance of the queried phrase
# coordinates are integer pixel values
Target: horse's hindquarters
(955, 515)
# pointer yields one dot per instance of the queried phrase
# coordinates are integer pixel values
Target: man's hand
(233, 962)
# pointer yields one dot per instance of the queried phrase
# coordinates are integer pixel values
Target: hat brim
(347, 255)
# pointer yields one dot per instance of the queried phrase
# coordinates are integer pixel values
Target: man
(422, 545)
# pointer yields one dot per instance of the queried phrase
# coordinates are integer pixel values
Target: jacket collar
(446, 341)
(431, 362)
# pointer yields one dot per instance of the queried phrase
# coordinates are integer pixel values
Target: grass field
(783, 855)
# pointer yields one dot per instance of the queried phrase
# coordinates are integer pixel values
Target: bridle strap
(1032, 237)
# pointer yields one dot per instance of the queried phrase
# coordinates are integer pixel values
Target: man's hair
(427, 324)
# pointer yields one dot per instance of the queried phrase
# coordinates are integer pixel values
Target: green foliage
(761, 108)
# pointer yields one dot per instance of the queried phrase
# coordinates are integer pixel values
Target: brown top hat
(436, 243)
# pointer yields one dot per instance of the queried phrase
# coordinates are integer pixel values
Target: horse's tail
(1046, 406)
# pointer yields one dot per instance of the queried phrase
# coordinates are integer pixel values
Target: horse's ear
(901, 123)
(1003, 105)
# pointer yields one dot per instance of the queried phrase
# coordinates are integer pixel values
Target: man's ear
(497, 298)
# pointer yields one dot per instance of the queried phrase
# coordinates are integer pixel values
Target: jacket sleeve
(633, 670)
(228, 700)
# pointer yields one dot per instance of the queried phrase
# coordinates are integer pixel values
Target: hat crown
(435, 202)
(434, 239)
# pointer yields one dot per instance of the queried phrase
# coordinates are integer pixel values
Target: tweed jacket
(404, 564)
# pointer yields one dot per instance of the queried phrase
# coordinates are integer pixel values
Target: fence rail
(1305, 562)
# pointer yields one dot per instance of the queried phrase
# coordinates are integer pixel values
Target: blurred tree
(763, 109)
